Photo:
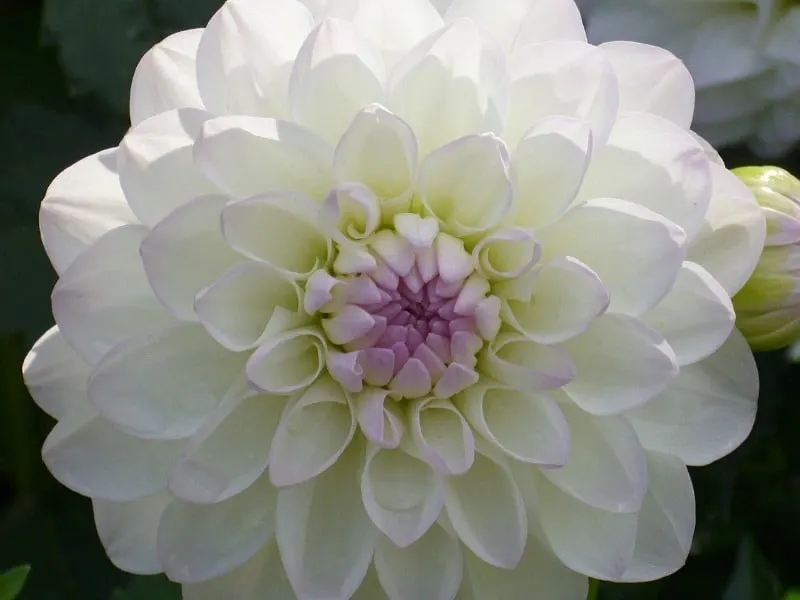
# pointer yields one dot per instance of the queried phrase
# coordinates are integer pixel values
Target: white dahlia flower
(375, 302)
(744, 56)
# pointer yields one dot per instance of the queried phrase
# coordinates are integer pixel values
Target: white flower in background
(744, 56)
(377, 303)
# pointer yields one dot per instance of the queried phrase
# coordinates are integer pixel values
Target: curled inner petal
(410, 316)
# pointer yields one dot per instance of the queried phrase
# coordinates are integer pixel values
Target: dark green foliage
(149, 588)
(12, 582)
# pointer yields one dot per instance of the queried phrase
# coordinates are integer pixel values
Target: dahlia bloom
(378, 302)
(768, 306)
(744, 56)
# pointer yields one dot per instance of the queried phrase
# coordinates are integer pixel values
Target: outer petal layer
(246, 53)
(707, 411)
(166, 77)
(104, 297)
(82, 203)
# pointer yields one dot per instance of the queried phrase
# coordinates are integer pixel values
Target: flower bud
(768, 306)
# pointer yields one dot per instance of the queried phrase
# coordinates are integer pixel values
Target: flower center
(405, 310)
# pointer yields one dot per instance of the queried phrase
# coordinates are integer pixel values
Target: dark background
(65, 69)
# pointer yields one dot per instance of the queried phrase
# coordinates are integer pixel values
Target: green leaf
(179, 14)
(12, 581)
(54, 532)
(753, 578)
(41, 142)
(99, 54)
(629, 591)
(99, 44)
(156, 587)
(792, 595)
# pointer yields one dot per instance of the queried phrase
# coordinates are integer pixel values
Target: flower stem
(594, 590)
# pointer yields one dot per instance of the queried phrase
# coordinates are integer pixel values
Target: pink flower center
(405, 316)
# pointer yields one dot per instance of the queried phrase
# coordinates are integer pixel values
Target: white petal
(246, 156)
(230, 450)
(337, 72)
(567, 297)
(56, 376)
(505, 254)
(82, 203)
(514, 360)
(653, 162)
(493, 525)
(606, 467)
(381, 421)
(463, 75)
(164, 385)
(312, 434)
(104, 298)
(695, 317)
(466, 184)
(318, 290)
(92, 457)
(166, 77)
(732, 236)
(197, 542)
(288, 362)
(666, 521)
(156, 165)
(280, 230)
(652, 80)
(261, 575)
(517, 23)
(528, 427)
(640, 367)
(587, 540)
(395, 251)
(430, 568)
(453, 262)
(711, 152)
(370, 588)
(128, 531)
(567, 78)
(379, 150)
(350, 212)
(185, 253)
(325, 536)
(402, 495)
(602, 233)
(707, 411)
(392, 26)
(246, 54)
(548, 20)
(539, 574)
(502, 22)
(439, 5)
(547, 169)
(442, 436)
(248, 303)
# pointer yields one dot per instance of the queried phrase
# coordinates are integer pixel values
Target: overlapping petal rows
(744, 57)
(375, 301)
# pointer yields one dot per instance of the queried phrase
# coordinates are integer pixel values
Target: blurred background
(65, 69)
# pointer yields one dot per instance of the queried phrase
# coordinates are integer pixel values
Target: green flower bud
(768, 306)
